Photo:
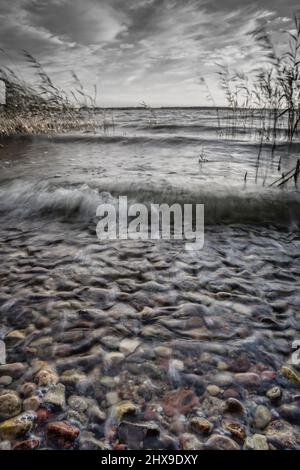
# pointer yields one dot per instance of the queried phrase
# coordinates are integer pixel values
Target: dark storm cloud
(153, 50)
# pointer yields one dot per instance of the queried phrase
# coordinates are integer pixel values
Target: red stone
(30, 444)
(43, 415)
(61, 434)
(181, 401)
(120, 447)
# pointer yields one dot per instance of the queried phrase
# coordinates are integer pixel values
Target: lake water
(175, 333)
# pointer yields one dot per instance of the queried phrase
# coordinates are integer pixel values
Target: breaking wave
(22, 199)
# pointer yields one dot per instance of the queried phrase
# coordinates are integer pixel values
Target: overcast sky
(140, 50)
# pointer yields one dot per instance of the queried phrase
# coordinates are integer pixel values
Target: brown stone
(218, 442)
(61, 434)
(29, 444)
(201, 425)
(236, 429)
(181, 401)
(14, 370)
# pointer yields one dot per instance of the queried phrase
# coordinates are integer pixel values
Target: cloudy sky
(140, 50)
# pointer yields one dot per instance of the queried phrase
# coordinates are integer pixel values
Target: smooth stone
(163, 351)
(78, 403)
(5, 445)
(110, 342)
(14, 370)
(62, 434)
(240, 363)
(29, 444)
(262, 417)
(112, 358)
(213, 390)
(290, 412)
(232, 405)
(18, 426)
(42, 322)
(218, 442)
(224, 379)
(125, 408)
(274, 393)
(128, 346)
(5, 380)
(201, 425)
(178, 425)
(190, 442)
(256, 442)
(222, 365)
(10, 404)
(56, 396)
(14, 337)
(112, 398)
(107, 381)
(121, 310)
(248, 379)
(231, 393)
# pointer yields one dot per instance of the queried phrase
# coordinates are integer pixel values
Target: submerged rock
(61, 434)
(274, 393)
(17, 427)
(134, 435)
(56, 396)
(290, 412)
(291, 374)
(124, 409)
(5, 380)
(213, 390)
(10, 404)
(236, 429)
(129, 345)
(88, 441)
(181, 401)
(232, 405)
(78, 403)
(5, 445)
(201, 425)
(218, 442)
(190, 442)
(14, 337)
(262, 417)
(27, 389)
(31, 403)
(248, 379)
(14, 370)
(29, 444)
(46, 377)
(282, 435)
(72, 377)
(256, 442)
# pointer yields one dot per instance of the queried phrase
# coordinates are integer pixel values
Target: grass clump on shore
(45, 108)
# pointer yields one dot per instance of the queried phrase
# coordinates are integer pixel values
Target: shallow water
(225, 316)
